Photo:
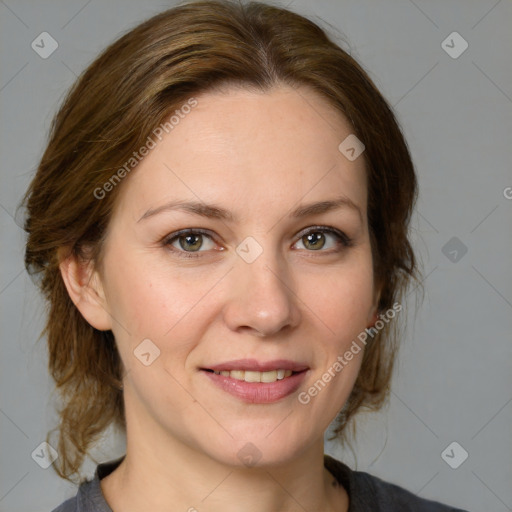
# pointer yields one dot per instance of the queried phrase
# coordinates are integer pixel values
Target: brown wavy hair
(110, 111)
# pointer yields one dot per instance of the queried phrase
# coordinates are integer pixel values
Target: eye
(316, 238)
(188, 241)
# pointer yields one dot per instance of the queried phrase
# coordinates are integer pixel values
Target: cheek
(172, 309)
(345, 306)
(149, 299)
(341, 301)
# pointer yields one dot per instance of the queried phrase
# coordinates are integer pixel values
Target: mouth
(255, 376)
(256, 382)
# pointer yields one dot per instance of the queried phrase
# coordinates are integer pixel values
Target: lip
(258, 392)
(258, 366)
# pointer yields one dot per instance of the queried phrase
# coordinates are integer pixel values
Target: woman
(220, 224)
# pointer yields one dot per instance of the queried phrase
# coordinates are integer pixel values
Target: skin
(258, 155)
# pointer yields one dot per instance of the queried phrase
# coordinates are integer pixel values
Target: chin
(258, 451)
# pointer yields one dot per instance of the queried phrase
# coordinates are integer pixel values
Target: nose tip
(264, 301)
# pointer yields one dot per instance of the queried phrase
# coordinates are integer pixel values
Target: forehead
(243, 147)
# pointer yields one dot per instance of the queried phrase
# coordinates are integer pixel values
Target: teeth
(266, 376)
(250, 376)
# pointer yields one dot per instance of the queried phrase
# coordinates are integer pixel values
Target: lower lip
(258, 392)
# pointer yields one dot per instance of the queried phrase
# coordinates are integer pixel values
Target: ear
(85, 290)
(374, 312)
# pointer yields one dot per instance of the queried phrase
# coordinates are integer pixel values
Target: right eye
(187, 242)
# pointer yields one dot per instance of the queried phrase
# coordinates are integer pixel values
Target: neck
(160, 473)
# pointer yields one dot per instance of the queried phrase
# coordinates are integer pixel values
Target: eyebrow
(213, 211)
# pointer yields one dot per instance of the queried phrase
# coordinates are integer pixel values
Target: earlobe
(85, 289)
(374, 319)
(375, 310)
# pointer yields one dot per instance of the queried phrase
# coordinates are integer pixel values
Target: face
(256, 283)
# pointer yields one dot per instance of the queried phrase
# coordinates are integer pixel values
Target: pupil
(314, 238)
(189, 238)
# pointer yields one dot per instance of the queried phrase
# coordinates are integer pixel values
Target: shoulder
(68, 506)
(397, 498)
(368, 492)
(89, 497)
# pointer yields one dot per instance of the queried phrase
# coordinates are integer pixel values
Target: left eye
(316, 239)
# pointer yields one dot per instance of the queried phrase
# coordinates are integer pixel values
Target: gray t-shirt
(366, 493)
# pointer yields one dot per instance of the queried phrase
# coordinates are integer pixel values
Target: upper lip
(258, 366)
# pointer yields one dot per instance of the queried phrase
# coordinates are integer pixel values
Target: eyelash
(342, 239)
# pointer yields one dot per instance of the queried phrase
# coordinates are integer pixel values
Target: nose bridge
(264, 299)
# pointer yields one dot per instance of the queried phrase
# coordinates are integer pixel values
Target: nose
(263, 300)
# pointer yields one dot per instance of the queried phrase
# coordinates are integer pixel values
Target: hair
(124, 94)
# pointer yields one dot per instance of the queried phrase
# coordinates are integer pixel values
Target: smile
(254, 376)
(257, 387)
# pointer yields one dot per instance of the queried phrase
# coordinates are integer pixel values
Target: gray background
(453, 381)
